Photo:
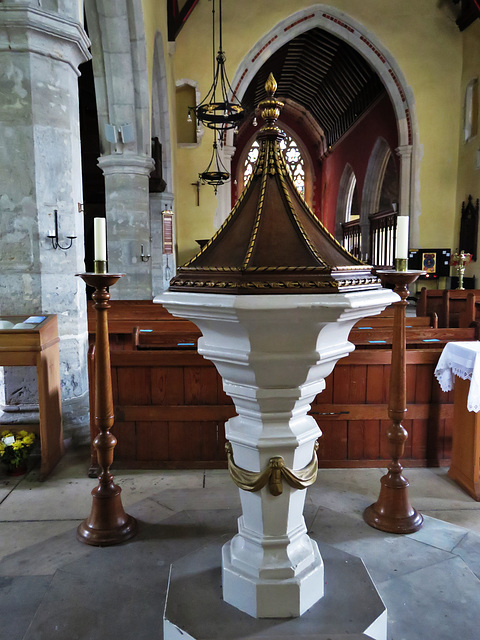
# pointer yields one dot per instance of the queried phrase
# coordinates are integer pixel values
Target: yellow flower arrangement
(15, 447)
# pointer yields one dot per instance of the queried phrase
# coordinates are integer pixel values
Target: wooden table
(465, 468)
(463, 358)
(37, 346)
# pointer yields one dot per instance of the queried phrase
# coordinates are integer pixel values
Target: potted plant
(15, 449)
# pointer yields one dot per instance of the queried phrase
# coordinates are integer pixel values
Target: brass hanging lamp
(219, 109)
(215, 174)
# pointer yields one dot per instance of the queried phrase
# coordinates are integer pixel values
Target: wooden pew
(430, 321)
(170, 410)
(415, 337)
(454, 307)
(170, 407)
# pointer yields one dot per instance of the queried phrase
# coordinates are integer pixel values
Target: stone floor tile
(79, 608)
(432, 489)
(441, 601)
(194, 498)
(384, 554)
(20, 597)
(19, 536)
(439, 534)
(45, 557)
(143, 561)
(469, 550)
(466, 518)
(346, 490)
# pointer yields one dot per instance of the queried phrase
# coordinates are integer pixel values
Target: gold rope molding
(275, 470)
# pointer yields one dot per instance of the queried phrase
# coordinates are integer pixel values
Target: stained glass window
(293, 159)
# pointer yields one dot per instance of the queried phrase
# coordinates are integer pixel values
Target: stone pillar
(128, 222)
(164, 266)
(40, 171)
(224, 194)
(405, 154)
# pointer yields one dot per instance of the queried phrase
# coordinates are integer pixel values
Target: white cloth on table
(461, 359)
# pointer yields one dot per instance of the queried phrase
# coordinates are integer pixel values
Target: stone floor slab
(441, 601)
(439, 534)
(469, 550)
(20, 598)
(351, 604)
(77, 608)
(384, 554)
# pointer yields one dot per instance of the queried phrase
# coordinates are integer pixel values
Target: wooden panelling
(170, 407)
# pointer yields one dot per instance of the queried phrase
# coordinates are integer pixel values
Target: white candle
(99, 239)
(401, 251)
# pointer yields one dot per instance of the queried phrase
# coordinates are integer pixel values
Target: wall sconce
(143, 256)
(53, 235)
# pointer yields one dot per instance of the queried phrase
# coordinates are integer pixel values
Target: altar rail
(170, 407)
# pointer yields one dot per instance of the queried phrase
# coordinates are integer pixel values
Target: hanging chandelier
(215, 174)
(217, 111)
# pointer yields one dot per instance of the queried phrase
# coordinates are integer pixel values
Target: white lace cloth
(461, 359)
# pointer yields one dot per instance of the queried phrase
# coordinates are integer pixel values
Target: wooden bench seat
(170, 407)
(415, 337)
(454, 307)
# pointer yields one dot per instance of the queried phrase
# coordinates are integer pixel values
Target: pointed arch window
(293, 158)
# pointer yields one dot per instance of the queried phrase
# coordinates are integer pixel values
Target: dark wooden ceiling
(323, 74)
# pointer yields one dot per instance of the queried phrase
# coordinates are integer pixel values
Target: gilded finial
(270, 109)
(271, 85)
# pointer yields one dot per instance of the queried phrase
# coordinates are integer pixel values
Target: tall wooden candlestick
(393, 512)
(108, 523)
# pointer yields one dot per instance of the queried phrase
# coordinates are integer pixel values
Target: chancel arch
(371, 49)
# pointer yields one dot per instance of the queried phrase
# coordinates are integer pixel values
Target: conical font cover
(272, 242)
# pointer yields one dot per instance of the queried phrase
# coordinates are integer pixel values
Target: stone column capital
(404, 151)
(125, 163)
(27, 29)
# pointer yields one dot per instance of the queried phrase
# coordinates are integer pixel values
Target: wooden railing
(352, 238)
(383, 228)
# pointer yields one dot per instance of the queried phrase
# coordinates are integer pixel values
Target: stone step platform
(350, 609)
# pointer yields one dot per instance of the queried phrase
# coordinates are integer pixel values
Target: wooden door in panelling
(356, 432)
(419, 434)
(192, 441)
(167, 386)
(375, 384)
(126, 447)
(333, 443)
(134, 386)
(420, 437)
(385, 453)
(152, 441)
(201, 385)
(371, 449)
(408, 426)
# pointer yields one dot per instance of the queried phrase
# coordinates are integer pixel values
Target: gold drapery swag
(272, 474)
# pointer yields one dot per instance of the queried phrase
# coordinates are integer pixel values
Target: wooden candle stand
(107, 523)
(393, 512)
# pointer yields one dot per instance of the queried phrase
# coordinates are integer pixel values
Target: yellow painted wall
(155, 18)
(468, 173)
(421, 37)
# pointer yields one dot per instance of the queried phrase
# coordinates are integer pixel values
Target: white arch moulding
(368, 45)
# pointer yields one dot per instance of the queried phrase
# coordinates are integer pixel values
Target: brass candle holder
(393, 512)
(460, 261)
(107, 523)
